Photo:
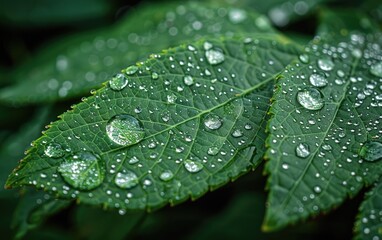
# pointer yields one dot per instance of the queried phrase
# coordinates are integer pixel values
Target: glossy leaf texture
(78, 64)
(325, 133)
(186, 121)
(369, 222)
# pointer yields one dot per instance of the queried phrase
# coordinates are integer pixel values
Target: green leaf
(74, 66)
(326, 109)
(202, 111)
(33, 208)
(369, 223)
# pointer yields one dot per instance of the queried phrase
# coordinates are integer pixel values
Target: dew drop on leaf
(376, 69)
(212, 121)
(317, 189)
(84, 171)
(188, 80)
(118, 82)
(325, 64)
(371, 151)
(237, 15)
(327, 147)
(302, 150)
(54, 150)
(310, 98)
(166, 175)
(304, 58)
(125, 130)
(214, 56)
(131, 70)
(154, 76)
(237, 133)
(192, 166)
(171, 98)
(318, 80)
(212, 151)
(126, 179)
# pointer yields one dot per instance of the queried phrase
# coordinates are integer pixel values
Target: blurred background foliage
(235, 211)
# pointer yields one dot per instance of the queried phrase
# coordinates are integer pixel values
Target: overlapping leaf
(196, 113)
(325, 127)
(78, 64)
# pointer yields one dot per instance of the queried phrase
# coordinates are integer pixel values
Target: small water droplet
(376, 69)
(214, 56)
(83, 170)
(304, 58)
(213, 151)
(327, 147)
(154, 76)
(133, 160)
(171, 98)
(310, 98)
(317, 189)
(371, 151)
(126, 179)
(318, 80)
(237, 15)
(166, 175)
(131, 70)
(192, 166)
(212, 121)
(237, 133)
(325, 64)
(188, 80)
(54, 150)
(302, 150)
(125, 130)
(118, 82)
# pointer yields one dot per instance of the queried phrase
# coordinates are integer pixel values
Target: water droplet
(207, 45)
(118, 82)
(126, 179)
(310, 98)
(54, 150)
(237, 15)
(318, 80)
(304, 58)
(302, 150)
(212, 121)
(154, 76)
(166, 175)
(188, 80)
(214, 56)
(193, 166)
(171, 98)
(131, 70)
(83, 170)
(213, 151)
(133, 160)
(371, 151)
(237, 133)
(325, 64)
(376, 69)
(125, 130)
(327, 147)
(317, 189)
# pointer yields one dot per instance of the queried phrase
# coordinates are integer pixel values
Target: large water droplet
(237, 15)
(212, 121)
(118, 82)
(125, 130)
(131, 70)
(214, 56)
(371, 151)
(325, 64)
(84, 171)
(54, 150)
(310, 98)
(126, 179)
(166, 175)
(318, 80)
(193, 166)
(237, 133)
(304, 58)
(188, 80)
(376, 69)
(302, 150)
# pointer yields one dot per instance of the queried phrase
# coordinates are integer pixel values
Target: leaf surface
(186, 121)
(78, 64)
(326, 112)
(369, 222)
